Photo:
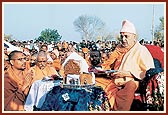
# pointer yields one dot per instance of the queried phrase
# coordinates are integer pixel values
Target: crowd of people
(36, 59)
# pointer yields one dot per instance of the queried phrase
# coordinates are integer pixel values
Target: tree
(49, 35)
(159, 32)
(90, 27)
(8, 37)
(107, 36)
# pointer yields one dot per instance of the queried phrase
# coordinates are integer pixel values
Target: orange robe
(105, 66)
(57, 64)
(27, 64)
(116, 57)
(47, 71)
(102, 81)
(14, 97)
(137, 60)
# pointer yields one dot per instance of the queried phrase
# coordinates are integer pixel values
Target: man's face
(95, 58)
(42, 62)
(62, 56)
(104, 57)
(49, 63)
(33, 61)
(5, 50)
(18, 61)
(53, 56)
(127, 39)
(44, 48)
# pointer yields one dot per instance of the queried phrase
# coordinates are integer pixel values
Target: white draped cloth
(37, 93)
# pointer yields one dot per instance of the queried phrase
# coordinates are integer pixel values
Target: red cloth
(156, 52)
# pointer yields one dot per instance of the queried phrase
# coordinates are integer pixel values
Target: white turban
(127, 26)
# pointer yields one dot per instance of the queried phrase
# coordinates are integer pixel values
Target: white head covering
(127, 26)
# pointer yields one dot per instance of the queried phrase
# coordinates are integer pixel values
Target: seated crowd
(129, 59)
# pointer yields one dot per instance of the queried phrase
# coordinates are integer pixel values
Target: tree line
(90, 28)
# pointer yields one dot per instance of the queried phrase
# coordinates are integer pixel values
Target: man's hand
(28, 79)
(121, 73)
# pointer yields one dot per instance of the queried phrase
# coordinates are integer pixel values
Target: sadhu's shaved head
(42, 54)
(42, 59)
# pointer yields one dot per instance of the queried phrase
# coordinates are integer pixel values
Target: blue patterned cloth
(70, 99)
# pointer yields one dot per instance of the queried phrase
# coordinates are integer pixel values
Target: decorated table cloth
(37, 93)
(76, 99)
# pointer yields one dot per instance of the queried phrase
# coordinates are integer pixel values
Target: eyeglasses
(20, 59)
(50, 63)
(32, 59)
(121, 36)
(42, 61)
(103, 57)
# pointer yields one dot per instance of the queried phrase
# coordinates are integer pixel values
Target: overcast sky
(26, 21)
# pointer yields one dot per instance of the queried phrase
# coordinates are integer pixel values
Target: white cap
(127, 26)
